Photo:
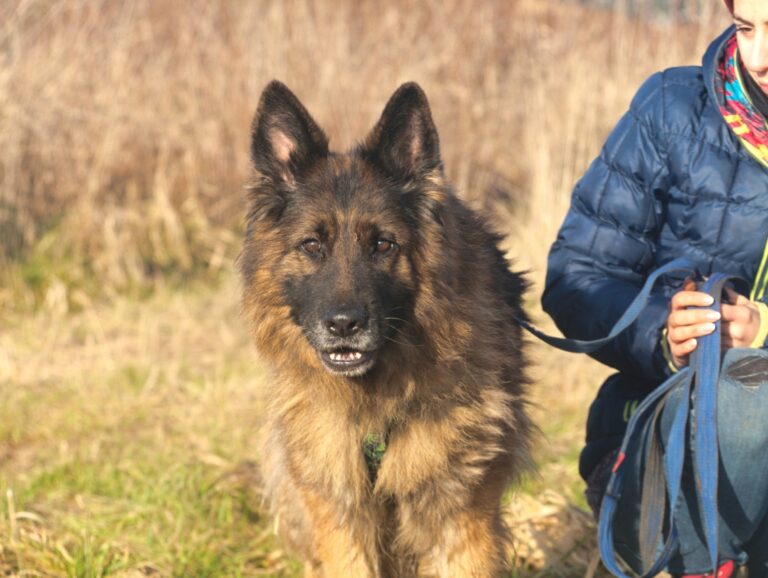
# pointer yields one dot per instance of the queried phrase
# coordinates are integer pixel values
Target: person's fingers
(683, 317)
(735, 313)
(681, 351)
(684, 333)
(689, 319)
(740, 333)
(683, 299)
(735, 298)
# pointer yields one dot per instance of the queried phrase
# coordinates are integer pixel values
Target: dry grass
(130, 394)
(123, 126)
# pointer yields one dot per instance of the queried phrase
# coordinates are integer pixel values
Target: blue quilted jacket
(671, 180)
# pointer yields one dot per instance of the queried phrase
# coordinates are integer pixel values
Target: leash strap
(706, 363)
(630, 315)
(674, 467)
(700, 377)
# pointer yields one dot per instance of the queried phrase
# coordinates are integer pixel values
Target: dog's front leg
(340, 547)
(471, 545)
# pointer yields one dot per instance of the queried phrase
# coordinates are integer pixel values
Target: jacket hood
(711, 59)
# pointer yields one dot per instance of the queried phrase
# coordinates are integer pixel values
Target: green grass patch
(103, 516)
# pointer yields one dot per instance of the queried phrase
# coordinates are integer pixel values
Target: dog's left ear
(404, 142)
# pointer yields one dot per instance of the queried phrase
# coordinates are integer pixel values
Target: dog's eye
(385, 246)
(310, 246)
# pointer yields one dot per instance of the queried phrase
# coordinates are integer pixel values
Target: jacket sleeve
(606, 245)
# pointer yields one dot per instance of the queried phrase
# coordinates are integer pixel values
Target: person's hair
(729, 3)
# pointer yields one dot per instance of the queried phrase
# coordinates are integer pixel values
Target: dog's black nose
(346, 321)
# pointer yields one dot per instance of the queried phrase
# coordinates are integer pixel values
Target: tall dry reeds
(124, 126)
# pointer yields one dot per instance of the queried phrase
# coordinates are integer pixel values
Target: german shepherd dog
(396, 415)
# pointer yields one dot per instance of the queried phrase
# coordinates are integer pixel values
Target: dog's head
(338, 234)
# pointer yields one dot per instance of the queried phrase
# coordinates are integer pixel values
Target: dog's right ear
(285, 140)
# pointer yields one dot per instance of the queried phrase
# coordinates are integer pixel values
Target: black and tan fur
(384, 306)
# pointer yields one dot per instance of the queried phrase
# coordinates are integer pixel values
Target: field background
(129, 391)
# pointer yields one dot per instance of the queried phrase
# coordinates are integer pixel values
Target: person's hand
(739, 326)
(685, 325)
(740, 321)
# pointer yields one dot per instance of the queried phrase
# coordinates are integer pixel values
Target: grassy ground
(127, 442)
(127, 436)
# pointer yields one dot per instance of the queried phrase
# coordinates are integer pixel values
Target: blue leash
(681, 265)
(699, 378)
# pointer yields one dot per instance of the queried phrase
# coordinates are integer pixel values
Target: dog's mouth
(347, 361)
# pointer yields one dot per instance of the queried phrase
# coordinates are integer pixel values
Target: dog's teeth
(346, 356)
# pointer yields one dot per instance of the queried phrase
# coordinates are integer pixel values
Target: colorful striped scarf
(737, 110)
